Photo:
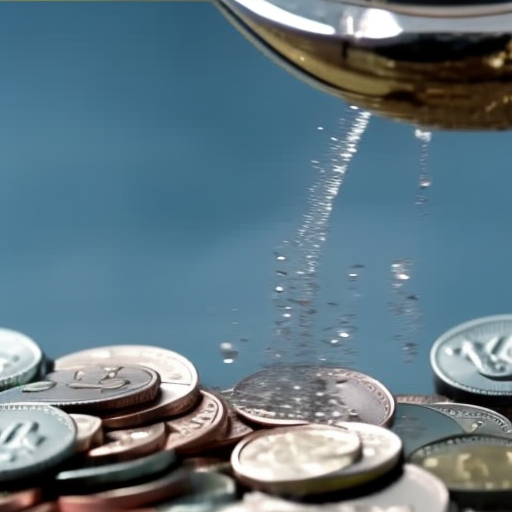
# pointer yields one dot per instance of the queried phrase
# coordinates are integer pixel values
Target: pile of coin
(130, 428)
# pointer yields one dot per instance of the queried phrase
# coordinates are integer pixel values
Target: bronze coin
(174, 484)
(49, 506)
(14, 501)
(163, 406)
(129, 444)
(236, 430)
(174, 369)
(89, 431)
(190, 433)
(421, 399)
(89, 388)
(297, 395)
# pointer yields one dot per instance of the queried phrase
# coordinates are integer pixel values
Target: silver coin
(415, 488)
(89, 431)
(33, 438)
(474, 419)
(476, 356)
(20, 358)
(417, 426)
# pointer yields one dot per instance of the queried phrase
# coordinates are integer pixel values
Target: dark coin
(295, 395)
(418, 425)
(33, 438)
(90, 388)
(121, 473)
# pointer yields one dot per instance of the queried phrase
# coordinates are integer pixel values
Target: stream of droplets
(296, 285)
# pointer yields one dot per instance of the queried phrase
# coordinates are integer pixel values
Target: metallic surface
(33, 438)
(296, 395)
(300, 460)
(90, 388)
(20, 358)
(417, 426)
(89, 431)
(421, 399)
(13, 501)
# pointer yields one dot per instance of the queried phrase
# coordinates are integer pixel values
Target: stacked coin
(130, 428)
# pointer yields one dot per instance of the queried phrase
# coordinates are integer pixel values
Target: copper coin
(129, 444)
(49, 506)
(192, 432)
(207, 464)
(421, 399)
(89, 432)
(173, 368)
(13, 501)
(296, 395)
(235, 431)
(163, 406)
(88, 388)
(174, 484)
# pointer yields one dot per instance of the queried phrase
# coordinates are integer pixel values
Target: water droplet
(353, 107)
(353, 276)
(280, 257)
(279, 289)
(403, 276)
(229, 352)
(425, 183)
(320, 128)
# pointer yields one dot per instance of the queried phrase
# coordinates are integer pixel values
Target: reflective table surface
(162, 182)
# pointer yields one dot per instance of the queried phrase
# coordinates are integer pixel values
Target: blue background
(152, 161)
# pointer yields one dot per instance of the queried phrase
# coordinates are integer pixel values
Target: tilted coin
(115, 474)
(11, 501)
(89, 431)
(476, 358)
(418, 425)
(189, 434)
(90, 388)
(20, 358)
(476, 420)
(174, 369)
(415, 488)
(33, 439)
(477, 469)
(421, 399)
(301, 460)
(164, 488)
(295, 395)
(163, 406)
(129, 444)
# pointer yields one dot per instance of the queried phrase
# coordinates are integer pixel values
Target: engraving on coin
(476, 356)
(294, 395)
(89, 431)
(192, 432)
(421, 399)
(298, 460)
(33, 438)
(175, 371)
(476, 420)
(20, 358)
(90, 388)
(122, 445)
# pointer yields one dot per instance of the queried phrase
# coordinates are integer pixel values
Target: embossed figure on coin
(8, 360)
(18, 440)
(108, 381)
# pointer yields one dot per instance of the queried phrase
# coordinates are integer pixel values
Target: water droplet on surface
(320, 128)
(229, 352)
(279, 289)
(425, 183)
(280, 257)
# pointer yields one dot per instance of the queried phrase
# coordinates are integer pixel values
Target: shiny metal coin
(302, 460)
(177, 372)
(476, 420)
(129, 444)
(89, 431)
(90, 388)
(476, 357)
(417, 426)
(33, 438)
(20, 358)
(415, 488)
(121, 473)
(476, 469)
(421, 399)
(295, 395)
(164, 488)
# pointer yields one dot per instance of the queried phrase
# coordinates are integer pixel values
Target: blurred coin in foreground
(33, 438)
(417, 426)
(476, 420)
(295, 395)
(190, 433)
(164, 488)
(89, 431)
(476, 469)
(476, 358)
(11, 501)
(301, 460)
(177, 372)
(20, 358)
(129, 444)
(90, 388)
